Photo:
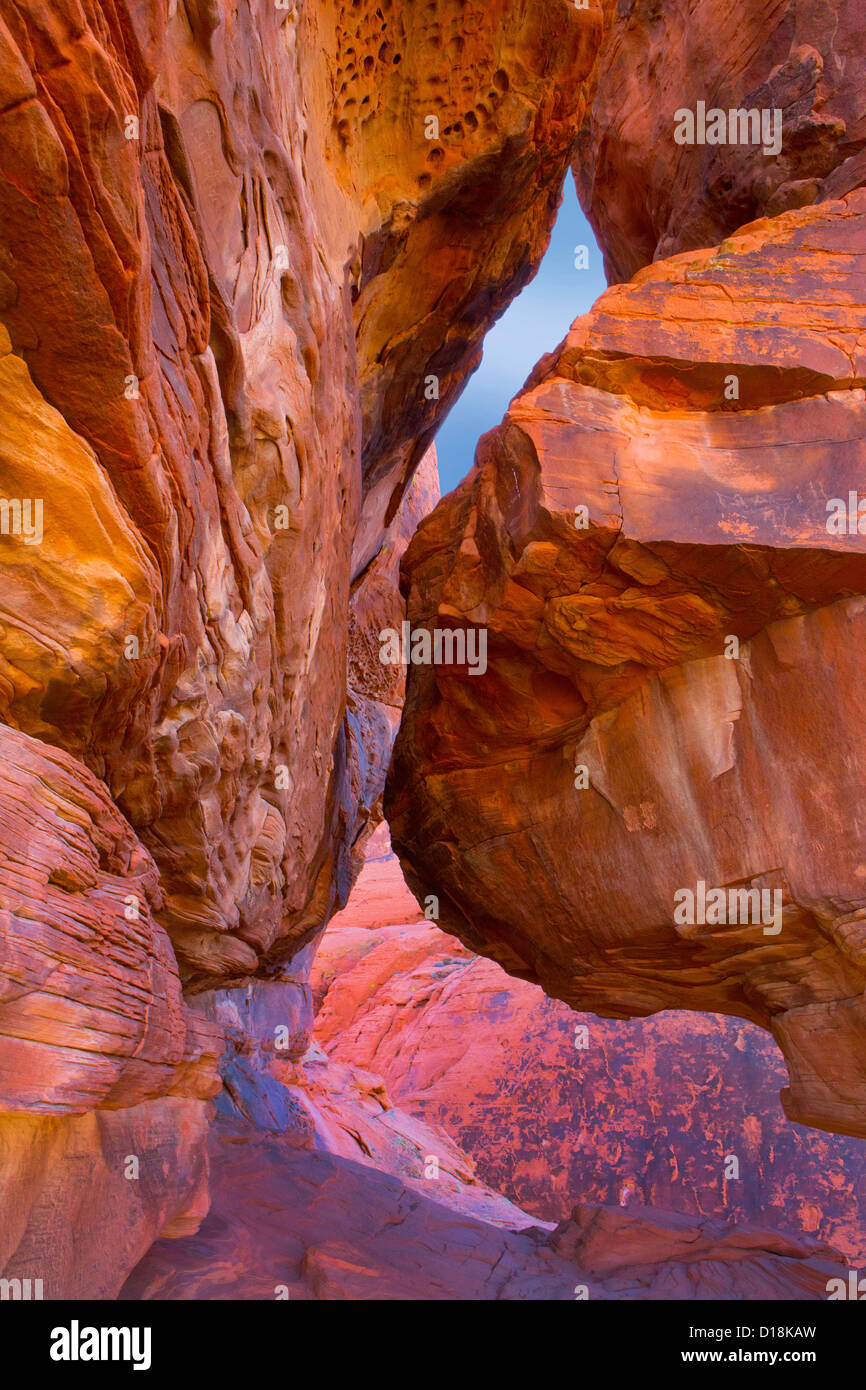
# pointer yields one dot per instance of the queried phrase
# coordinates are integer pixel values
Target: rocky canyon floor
(432, 1066)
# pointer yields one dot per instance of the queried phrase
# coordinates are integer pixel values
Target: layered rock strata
(267, 284)
(247, 257)
(675, 614)
(323, 1190)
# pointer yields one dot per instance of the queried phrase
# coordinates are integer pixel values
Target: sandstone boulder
(675, 622)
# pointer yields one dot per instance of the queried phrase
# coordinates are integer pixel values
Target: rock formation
(678, 1112)
(652, 540)
(307, 1226)
(801, 59)
(104, 1069)
(323, 1190)
(247, 258)
(248, 255)
(257, 267)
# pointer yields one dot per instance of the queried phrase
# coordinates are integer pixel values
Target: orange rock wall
(229, 260)
(231, 263)
(674, 619)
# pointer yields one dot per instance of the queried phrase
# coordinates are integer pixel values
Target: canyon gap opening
(569, 280)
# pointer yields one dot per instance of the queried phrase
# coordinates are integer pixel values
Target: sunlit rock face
(675, 620)
(799, 62)
(247, 258)
(84, 1197)
(679, 1112)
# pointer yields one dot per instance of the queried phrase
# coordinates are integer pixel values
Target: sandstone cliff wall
(674, 610)
(232, 264)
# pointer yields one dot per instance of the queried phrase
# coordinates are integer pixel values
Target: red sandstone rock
(276, 1082)
(84, 1196)
(227, 267)
(102, 1063)
(648, 196)
(231, 265)
(91, 1010)
(323, 1189)
(557, 1108)
(312, 1226)
(705, 522)
(226, 273)
(375, 691)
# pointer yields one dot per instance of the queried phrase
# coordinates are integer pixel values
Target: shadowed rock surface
(802, 59)
(290, 1219)
(324, 1189)
(557, 1108)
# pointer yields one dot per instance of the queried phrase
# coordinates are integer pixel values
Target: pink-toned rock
(274, 1081)
(83, 1197)
(322, 1190)
(91, 1010)
(679, 1112)
(218, 317)
(104, 1068)
(649, 196)
(314, 1226)
(247, 259)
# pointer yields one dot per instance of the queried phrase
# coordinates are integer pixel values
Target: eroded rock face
(247, 257)
(319, 1104)
(670, 615)
(322, 1189)
(84, 1197)
(91, 1010)
(313, 1226)
(256, 258)
(104, 1068)
(799, 59)
(242, 276)
(375, 690)
(679, 1112)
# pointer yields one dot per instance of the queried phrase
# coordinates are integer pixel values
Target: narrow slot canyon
(432, 617)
